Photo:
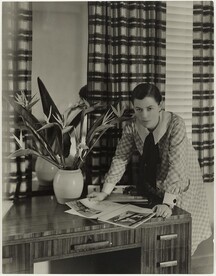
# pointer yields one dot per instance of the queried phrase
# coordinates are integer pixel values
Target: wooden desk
(38, 229)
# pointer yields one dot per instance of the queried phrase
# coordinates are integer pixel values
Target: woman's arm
(177, 179)
(122, 156)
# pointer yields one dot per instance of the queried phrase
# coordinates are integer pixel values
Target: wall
(210, 199)
(60, 38)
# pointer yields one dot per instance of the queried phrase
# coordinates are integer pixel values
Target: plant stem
(96, 141)
(50, 161)
(81, 125)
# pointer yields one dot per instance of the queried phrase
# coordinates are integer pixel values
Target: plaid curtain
(126, 47)
(16, 70)
(203, 86)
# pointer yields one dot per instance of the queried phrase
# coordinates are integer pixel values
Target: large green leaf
(97, 123)
(94, 142)
(70, 111)
(25, 114)
(33, 125)
(58, 133)
(22, 152)
(74, 120)
(99, 129)
(47, 102)
(32, 104)
(43, 142)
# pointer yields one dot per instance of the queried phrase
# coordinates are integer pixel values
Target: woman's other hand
(162, 210)
(97, 196)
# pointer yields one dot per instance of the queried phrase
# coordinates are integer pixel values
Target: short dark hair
(143, 90)
(83, 92)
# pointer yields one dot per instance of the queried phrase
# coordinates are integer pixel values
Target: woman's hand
(162, 210)
(97, 196)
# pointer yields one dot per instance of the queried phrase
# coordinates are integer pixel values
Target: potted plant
(51, 140)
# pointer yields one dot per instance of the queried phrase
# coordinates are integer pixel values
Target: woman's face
(147, 112)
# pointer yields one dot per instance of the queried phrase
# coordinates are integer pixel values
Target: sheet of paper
(138, 209)
(125, 198)
(127, 217)
(82, 214)
(91, 209)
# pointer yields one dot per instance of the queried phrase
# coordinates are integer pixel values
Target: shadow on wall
(203, 258)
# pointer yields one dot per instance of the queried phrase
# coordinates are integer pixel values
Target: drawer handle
(6, 261)
(90, 246)
(168, 264)
(168, 237)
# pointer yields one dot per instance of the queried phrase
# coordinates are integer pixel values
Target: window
(179, 60)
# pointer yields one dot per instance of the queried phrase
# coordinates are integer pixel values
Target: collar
(160, 129)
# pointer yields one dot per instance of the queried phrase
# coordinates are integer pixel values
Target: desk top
(39, 217)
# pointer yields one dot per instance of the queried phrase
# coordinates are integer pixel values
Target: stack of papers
(126, 215)
(118, 197)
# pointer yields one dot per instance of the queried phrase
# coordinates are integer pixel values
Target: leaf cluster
(52, 138)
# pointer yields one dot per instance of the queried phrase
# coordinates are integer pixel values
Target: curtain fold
(203, 86)
(126, 47)
(16, 76)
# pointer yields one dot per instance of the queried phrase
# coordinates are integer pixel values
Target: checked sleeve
(177, 177)
(122, 156)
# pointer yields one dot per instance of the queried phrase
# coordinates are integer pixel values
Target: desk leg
(17, 259)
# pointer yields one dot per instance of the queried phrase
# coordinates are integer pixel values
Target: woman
(169, 169)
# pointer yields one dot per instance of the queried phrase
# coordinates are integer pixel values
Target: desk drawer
(167, 236)
(84, 244)
(166, 261)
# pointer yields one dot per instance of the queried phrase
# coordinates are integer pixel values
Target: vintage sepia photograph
(107, 137)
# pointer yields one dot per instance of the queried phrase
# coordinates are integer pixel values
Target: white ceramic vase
(45, 171)
(68, 185)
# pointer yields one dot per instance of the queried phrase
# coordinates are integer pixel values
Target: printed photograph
(129, 218)
(83, 210)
